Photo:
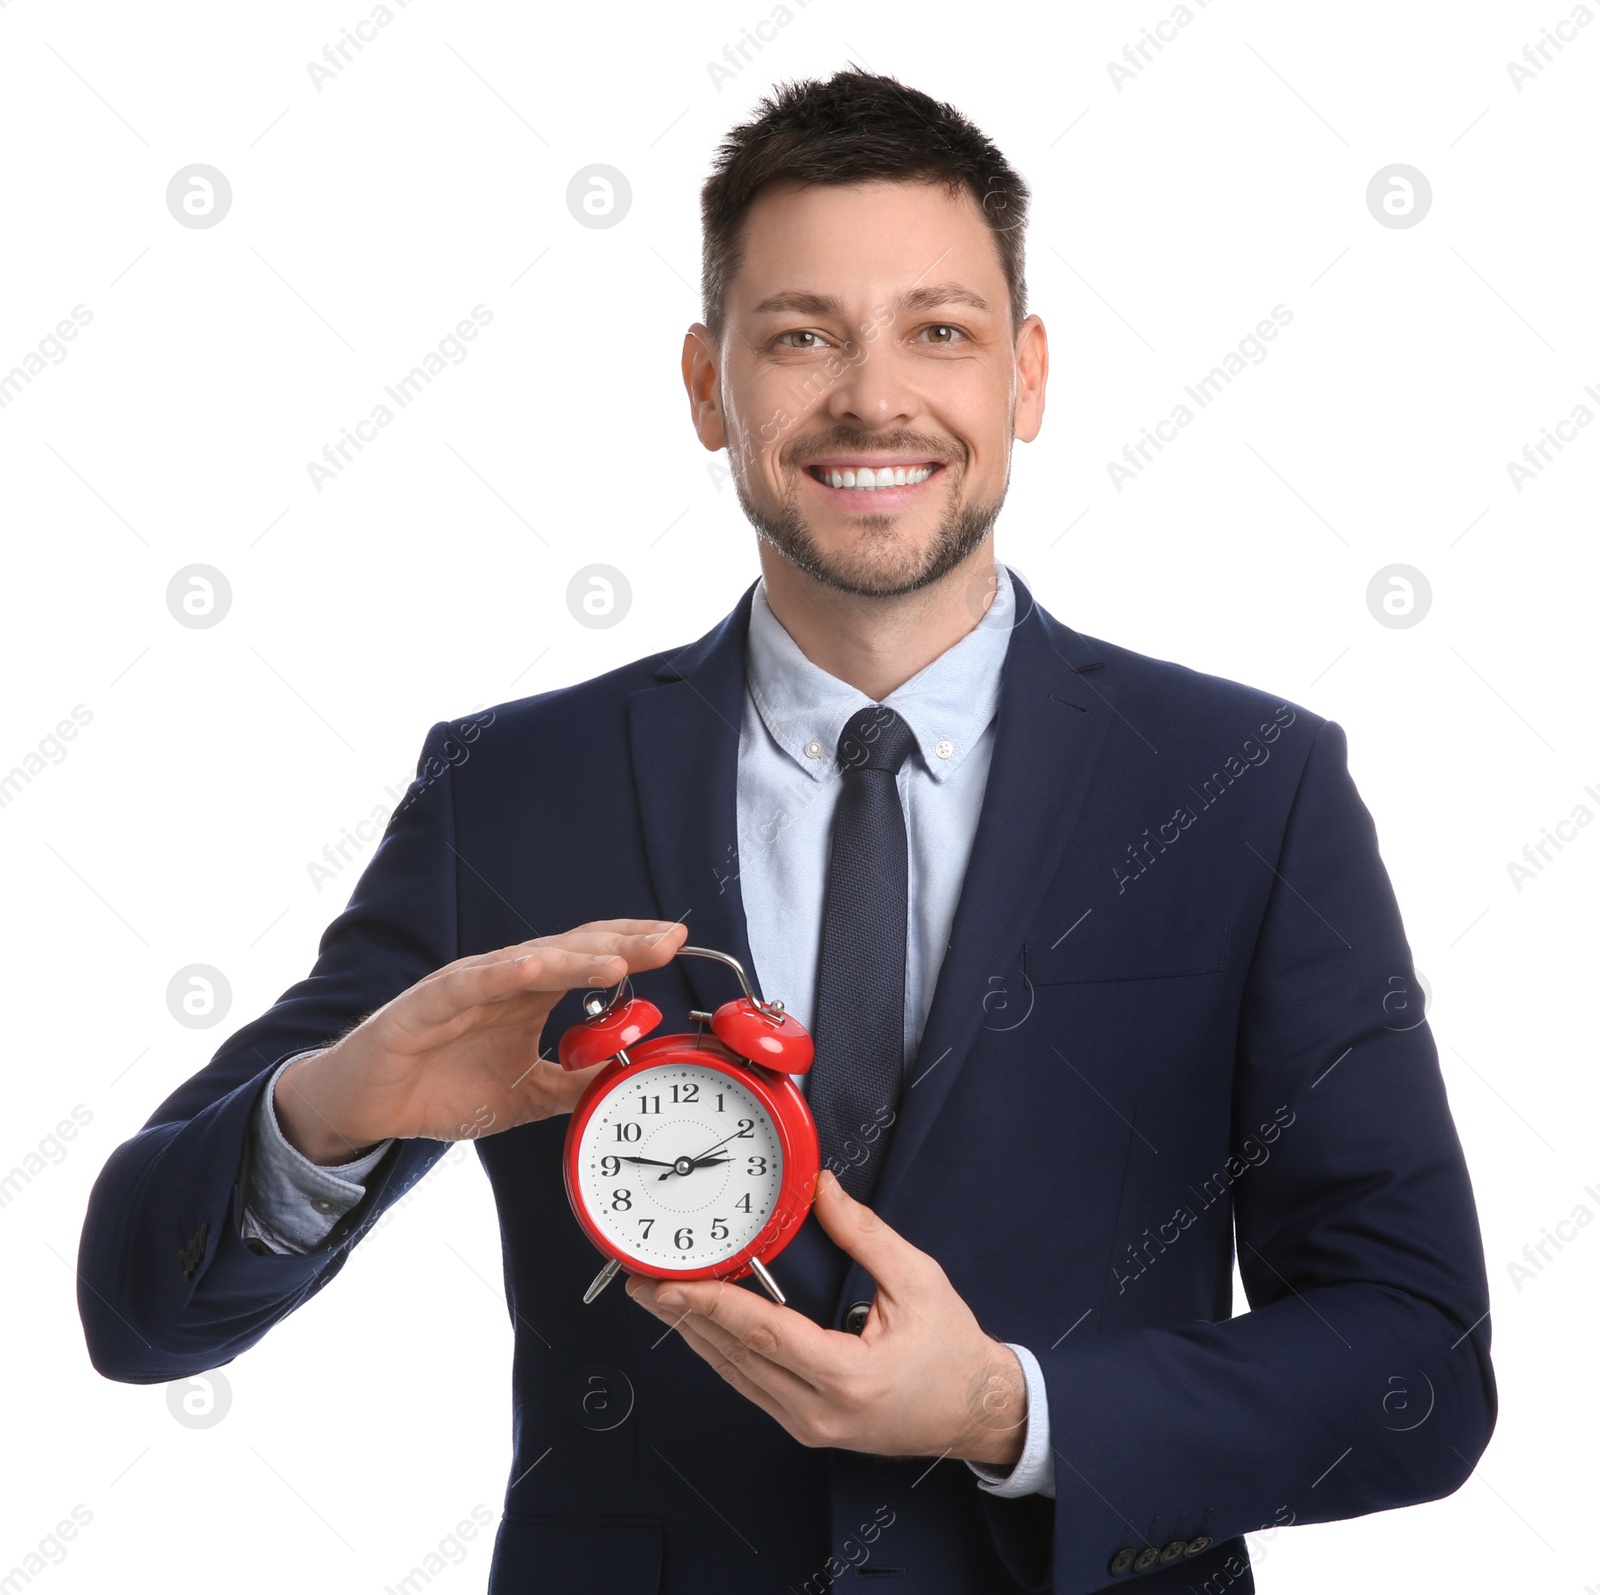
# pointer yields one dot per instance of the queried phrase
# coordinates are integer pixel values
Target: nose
(875, 392)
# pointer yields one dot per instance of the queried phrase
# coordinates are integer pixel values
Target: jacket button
(855, 1316)
(1122, 1563)
(1172, 1551)
(1201, 1542)
(1147, 1558)
(193, 1254)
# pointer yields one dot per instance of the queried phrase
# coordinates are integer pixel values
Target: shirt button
(944, 747)
(814, 749)
(324, 1204)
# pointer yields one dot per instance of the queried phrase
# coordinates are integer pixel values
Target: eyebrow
(933, 296)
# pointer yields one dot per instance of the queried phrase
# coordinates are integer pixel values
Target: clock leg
(768, 1283)
(602, 1279)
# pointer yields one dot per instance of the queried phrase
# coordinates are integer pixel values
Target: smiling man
(1102, 962)
(897, 478)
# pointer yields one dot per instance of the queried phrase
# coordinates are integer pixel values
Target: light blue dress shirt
(787, 787)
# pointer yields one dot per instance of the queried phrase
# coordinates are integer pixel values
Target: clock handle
(773, 1010)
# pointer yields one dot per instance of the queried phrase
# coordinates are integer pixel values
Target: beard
(884, 562)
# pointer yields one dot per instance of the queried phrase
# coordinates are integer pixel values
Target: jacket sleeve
(166, 1285)
(1359, 1380)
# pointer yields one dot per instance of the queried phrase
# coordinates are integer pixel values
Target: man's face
(868, 385)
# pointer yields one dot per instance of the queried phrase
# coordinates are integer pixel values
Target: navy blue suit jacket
(1178, 1005)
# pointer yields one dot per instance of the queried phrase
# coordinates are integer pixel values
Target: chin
(872, 555)
(875, 571)
(882, 565)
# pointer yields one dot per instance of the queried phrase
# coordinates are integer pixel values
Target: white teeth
(884, 476)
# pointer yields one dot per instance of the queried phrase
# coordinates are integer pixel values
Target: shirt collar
(948, 703)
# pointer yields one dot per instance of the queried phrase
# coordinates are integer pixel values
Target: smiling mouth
(860, 478)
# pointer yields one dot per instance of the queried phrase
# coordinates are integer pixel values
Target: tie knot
(875, 738)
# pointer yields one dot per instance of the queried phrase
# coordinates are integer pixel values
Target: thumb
(557, 1090)
(885, 1254)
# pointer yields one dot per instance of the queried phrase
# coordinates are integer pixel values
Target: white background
(369, 216)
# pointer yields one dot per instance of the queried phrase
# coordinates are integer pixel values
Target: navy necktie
(859, 1021)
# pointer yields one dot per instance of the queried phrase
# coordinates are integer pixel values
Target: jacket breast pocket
(1193, 947)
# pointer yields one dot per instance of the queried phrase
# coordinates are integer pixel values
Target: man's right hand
(457, 1055)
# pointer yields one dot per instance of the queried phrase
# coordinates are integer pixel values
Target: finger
(456, 990)
(626, 927)
(561, 963)
(588, 957)
(545, 1081)
(639, 943)
(727, 1351)
(649, 929)
(734, 1374)
(894, 1263)
(642, 943)
(778, 1334)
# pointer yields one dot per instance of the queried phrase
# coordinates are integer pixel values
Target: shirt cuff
(1034, 1472)
(292, 1203)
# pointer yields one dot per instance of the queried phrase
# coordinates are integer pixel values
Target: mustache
(945, 450)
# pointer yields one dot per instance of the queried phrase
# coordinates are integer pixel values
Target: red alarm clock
(690, 1156)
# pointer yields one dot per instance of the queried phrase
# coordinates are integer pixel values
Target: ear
(702, 382)
(1032, 368)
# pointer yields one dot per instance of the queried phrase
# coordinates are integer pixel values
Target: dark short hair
(856, 127)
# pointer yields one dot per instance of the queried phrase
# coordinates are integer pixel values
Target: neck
(878, 644)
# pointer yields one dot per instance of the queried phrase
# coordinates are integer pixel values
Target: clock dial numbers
(680, 1165)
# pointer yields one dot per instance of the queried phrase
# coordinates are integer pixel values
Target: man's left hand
(921, 1379)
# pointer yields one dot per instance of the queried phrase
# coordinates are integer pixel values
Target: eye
(942, 333)
(803, 332)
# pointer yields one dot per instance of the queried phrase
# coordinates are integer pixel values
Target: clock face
(679, 1165)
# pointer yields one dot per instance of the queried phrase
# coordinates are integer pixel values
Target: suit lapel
(684, 736)
(1050, 730)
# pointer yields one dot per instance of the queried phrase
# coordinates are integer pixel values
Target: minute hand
(694, 1162)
